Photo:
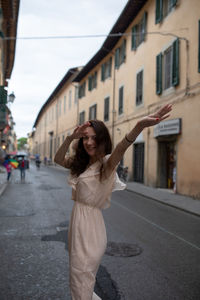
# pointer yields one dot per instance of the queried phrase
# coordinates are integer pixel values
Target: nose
(89, 141)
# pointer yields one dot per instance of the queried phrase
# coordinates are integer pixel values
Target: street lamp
(11, 97)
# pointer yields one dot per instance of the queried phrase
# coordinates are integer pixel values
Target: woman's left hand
(157, 117)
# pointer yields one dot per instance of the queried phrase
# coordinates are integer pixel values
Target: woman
(93, 178)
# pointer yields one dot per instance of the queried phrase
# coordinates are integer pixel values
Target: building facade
(151, 57)
(8, 30)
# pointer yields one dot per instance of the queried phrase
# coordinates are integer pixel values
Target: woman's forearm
(61, 152)
(122, 146)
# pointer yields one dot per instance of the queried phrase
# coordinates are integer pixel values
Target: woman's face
(89, 141)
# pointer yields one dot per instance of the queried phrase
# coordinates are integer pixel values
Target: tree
(21, 143)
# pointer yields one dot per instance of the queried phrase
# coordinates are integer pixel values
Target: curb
(3, 187)
(165, 203)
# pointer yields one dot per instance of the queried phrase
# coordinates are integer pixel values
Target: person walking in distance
(93, 177)
(22, 168)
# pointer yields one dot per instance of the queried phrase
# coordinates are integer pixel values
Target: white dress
(87, 237)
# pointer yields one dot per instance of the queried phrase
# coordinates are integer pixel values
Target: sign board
(169, 127)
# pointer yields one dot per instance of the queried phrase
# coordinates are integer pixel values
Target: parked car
(19, 157)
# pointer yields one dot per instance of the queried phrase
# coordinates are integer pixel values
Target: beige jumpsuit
(87, 234)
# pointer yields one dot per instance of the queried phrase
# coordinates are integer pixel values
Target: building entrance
(138, 161)
(167, 165)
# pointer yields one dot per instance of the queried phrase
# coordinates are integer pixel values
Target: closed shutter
(133, 41)
(106, 109)
(123, 51)
(159, 11)
(117, 58)
(159, 74)
(175, 67)
(110, 67)
(95, 79)
(103, 72)
(144, 26)
(89, 83)
(3, 95)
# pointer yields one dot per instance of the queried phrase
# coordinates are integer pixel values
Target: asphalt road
(153, 250)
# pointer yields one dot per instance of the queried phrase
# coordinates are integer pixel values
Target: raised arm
(130, 137)
(60, 158)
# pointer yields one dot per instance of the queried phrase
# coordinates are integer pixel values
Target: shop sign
(169, 127)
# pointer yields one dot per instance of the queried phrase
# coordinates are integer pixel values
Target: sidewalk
(167, 197)
(3, 182)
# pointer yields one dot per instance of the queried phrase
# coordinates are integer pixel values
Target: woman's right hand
(79, 131)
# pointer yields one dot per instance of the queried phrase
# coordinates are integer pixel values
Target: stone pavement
(167, 197)
(164, 196)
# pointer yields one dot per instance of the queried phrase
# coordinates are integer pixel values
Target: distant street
(153, 250)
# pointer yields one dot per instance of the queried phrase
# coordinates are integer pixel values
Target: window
(76, 95)
(92, 81)
(81, 90)
(139, 88)
(82, 117)
(106, 109)
(93, 112)
(63, 138)
(64, 104)
(106, 69)
(120, 55)
(121, 100)
(167, 68)
(163, 8)
(70, 99)
(139, 32)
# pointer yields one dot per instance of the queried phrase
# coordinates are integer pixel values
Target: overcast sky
(41, 64)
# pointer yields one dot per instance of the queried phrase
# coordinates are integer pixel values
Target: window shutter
(3, 95)
(159, 74)
(124, 50)
(144, 26)
(133, 43)
(95, 79)
(175, 67)
(117, 58)
(159, 11)
(103, 72)
(110, 67)
(199, 49)
(89, 83)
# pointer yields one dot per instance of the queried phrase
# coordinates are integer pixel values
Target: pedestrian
(22, 168)
(9, 171)
(93, 178)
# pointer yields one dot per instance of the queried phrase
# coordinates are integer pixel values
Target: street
(153, 250)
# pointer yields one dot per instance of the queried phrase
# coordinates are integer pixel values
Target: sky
(40, 64)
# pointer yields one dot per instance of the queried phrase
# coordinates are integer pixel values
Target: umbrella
(13, 163)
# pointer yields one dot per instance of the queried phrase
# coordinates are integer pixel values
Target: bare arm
(60, 154)
(60, 158)
(130, 137)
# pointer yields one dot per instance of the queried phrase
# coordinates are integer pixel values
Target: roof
(125, 19)
(10, 10)
(69, 76)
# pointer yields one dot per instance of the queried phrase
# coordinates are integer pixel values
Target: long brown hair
(81, 159)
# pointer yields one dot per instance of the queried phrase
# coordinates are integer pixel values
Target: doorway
(167, 165)
(138, 162)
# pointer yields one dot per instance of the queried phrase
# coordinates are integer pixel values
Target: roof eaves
(129, 12)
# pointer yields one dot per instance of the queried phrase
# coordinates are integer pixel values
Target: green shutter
(175, 67)
(89, 83)
(133, 43)
(117, 58)
(199, 50)
(144, 26)
(124, 50)
(110, 67)
(103, 72)
(159, 11)
(95, 79)
(3, 95)
(159, 74)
